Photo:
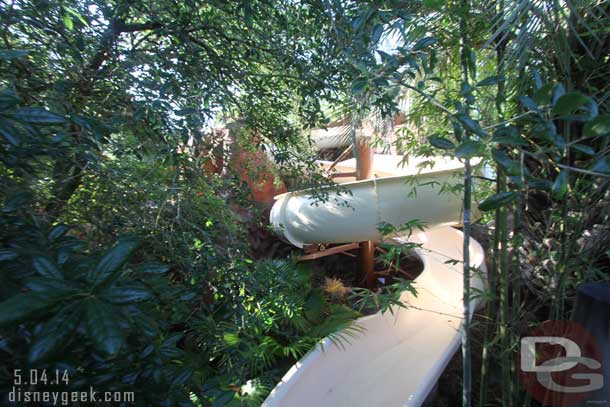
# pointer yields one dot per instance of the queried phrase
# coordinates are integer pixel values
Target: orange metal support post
(364, 167)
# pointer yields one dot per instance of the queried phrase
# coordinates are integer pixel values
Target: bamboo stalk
(466, 339)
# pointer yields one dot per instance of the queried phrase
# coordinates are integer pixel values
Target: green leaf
(510, 140)
(584, 149)
(38, 115)
(77, 15)
(491, 80)
(230, 339)
(498, 200)
(22, 306)
(45, 268)
(313, 306)
(442, 143)
(560, 186)
(434, 4)
(17, 200)
(8, 99)
(423, 43)
(55, 333)
(558, 91)
(509, 135)
(602, 165)
(600, 126)
(9, 134)
(223, 399)
(528, 103)
(126, 294)
(469, 149)
(470, 125)
(152, 268)
(377, 31)
(57, 232)
(113, 260)
(506, 163)
(8, 54)
(103, 328)
(7, 254)
(359, 85)
(543, 95)
(569, 103)
(68, 22)
(540, 184)
(50, 286)
(183, 377)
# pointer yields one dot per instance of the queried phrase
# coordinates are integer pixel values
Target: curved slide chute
(400, 355)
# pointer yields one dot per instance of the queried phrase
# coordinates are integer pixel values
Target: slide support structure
(364, 171)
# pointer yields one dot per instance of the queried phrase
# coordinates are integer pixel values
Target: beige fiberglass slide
(399, 356)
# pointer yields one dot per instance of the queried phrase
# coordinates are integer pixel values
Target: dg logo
(559, 364)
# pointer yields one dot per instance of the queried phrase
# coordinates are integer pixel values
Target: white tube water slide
(399, 356)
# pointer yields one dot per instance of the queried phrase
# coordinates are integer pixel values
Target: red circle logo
(559, 363)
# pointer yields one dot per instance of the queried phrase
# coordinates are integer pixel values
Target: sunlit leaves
(68, 23)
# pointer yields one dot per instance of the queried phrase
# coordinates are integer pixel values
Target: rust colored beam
(311, 248)
(364, 157)
(328, 252)
(364, 169)
(367, 262)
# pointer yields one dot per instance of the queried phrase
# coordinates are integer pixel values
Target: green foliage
(122, 261)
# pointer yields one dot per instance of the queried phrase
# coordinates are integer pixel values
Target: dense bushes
(176, 311)
(122, 262)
